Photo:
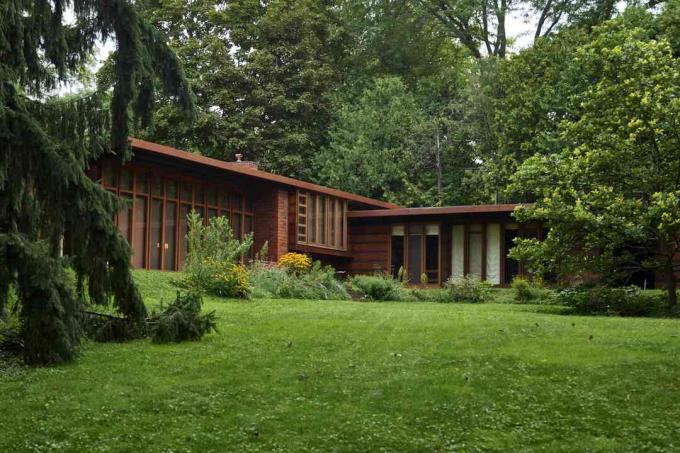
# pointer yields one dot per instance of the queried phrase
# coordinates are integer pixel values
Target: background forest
(421, 103)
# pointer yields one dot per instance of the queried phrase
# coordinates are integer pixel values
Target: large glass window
(155, 223)
(432, 253)
(414, 255)
(139, 234)
(415, 248)
(475, 249)
(397, 251)
(321, 221)
(156, 233)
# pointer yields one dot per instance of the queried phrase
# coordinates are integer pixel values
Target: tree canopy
(611, 195)
(46, 146)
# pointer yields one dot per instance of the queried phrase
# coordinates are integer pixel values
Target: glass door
(170, 237)
(416, 249)
(415, 253)
(156, 234)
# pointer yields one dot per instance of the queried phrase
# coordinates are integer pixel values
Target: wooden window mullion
(484, 233)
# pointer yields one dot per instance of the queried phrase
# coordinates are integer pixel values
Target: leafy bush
(467, 289)
(625, 301)
(229, 280)
(378, 287)
(182, 320)
(211, 263)
(527, 291)
(10, 326)
(318, 282)
(297, 262)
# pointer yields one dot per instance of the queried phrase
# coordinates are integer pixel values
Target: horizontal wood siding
(369, 245)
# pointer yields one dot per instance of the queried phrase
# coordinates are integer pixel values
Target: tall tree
(481, 25)
(46, 145)
(368, 152)
(263, 73)
(615, 187)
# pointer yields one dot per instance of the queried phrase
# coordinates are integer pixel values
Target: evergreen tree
(46, 145)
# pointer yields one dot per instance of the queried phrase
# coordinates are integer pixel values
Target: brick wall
(271, 221)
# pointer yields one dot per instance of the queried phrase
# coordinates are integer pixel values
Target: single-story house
(352, 232)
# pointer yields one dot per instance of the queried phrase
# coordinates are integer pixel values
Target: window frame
(327, 235)
(422, 238)
(197, 187)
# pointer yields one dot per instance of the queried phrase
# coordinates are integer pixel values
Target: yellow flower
(298, 262)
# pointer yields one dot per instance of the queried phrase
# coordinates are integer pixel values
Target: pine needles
(46, 147)
(182, 320)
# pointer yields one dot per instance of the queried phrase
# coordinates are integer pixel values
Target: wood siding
(369, 247)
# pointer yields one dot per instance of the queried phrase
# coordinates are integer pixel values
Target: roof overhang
(441, 211)
(232, 167)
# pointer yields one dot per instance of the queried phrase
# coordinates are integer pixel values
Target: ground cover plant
(296, 375)
(531, 290)
(379, 287)
(295, 278)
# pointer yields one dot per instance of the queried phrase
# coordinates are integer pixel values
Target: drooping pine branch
(46, 147)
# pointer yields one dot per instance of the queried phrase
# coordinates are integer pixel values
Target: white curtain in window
(493, 255)
(475, 241)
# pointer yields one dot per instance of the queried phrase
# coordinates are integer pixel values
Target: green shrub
(182, 320)
(318, 282)
(602, 300)
(468, 289)
(526, 291)
(10, 326)
(212, 257)
(378, 287)
(229, 280)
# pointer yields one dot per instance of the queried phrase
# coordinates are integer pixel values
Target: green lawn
(354, 376)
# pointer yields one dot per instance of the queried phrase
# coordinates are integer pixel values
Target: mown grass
(286, 375)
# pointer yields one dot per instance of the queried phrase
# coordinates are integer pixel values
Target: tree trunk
(668, 253)
(671, 285)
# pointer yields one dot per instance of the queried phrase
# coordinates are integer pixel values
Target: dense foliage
(295, 262)
(378, 287)
(46, 145)
(418, 102)
(624, 301)
(316, 282)
(213, 258)
(611, 195)
(468, 289)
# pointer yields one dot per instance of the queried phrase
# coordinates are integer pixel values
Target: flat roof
(255, 173)
(408, 212)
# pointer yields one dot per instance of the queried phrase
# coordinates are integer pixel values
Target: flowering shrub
(318, 283)
(229, 280)
(212, 258)
(297, 262)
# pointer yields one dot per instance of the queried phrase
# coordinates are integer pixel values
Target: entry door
(156, 235)
(419, 255)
